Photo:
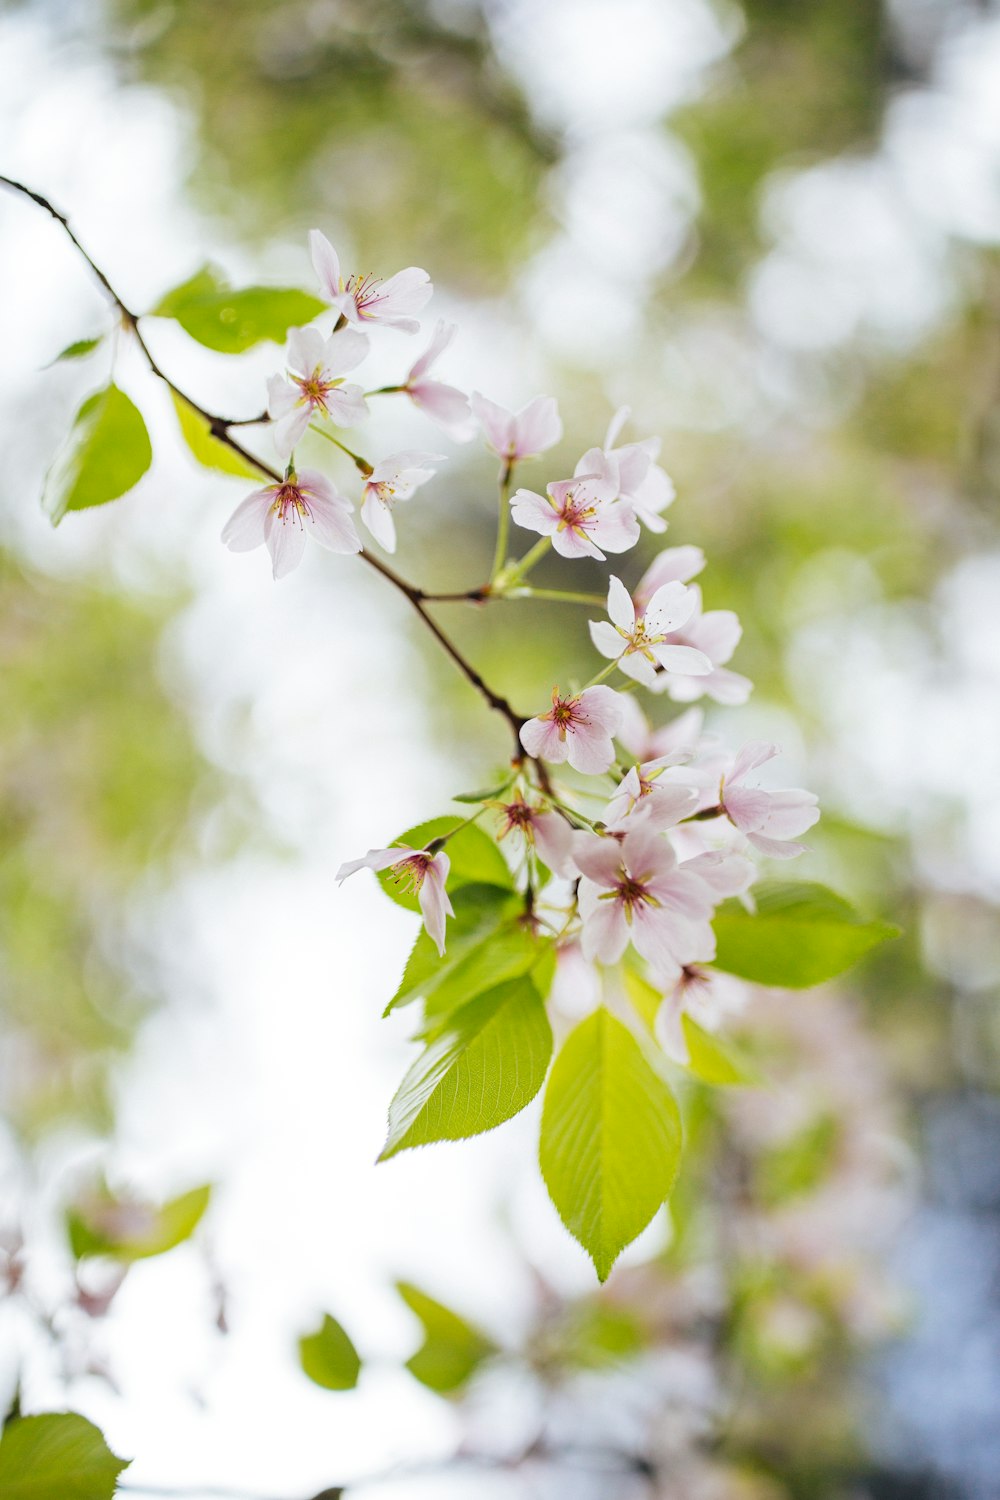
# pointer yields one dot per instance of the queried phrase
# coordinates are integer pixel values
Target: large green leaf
(452, 1350)
(107, 452)
(801, 935)
(208, 450)
(611, 1138)
(58, 1456)
(485, 1065)
(473, 856)
(329, 1357)
(130, 1230)
(229, 321)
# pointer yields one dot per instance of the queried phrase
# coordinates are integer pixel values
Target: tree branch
(220, 429)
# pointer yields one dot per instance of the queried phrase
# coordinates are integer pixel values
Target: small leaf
(611, 1138)
(58, 1456)
(107, 452)
(77, 350)
(452, 1350)
(715, 1060)
(329, 1358)
(801, 935)
(207, 449)
(514, 949)
(485, 796)
(229, 321)
(482, 1068)
(473, 856)
(128, 1230)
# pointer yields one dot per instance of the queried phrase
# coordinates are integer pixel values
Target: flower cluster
(628, 861)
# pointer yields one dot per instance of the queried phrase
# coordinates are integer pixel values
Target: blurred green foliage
(100, 783)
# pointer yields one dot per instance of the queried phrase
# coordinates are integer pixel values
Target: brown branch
(219, 427)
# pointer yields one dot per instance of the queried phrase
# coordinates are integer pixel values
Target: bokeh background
(771, 228)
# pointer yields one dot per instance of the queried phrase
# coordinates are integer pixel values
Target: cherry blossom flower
(641, 645)
(770, 820)
(577, 514)
(548, 832)
(578, 729)
(633, 890)
(392, 479)
(370, 299)
(716, 634)
(315, 385)
(672, 565)
(683, 733)
(662, 803)
(636, 478)
(282, 515)
(444, 404)
(708, 996)
(535, 429)
(415, 870)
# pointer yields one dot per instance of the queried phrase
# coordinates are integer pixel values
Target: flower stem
(611, 666)
(361, 463)
(503, 519)
(524, 565)
(557, 596)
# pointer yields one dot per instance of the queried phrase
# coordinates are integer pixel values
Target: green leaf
(480, 910)
(515, 949)
(645, 998)
(594, 1335)
(611, 1138)
(129, 1230)
(329, 1358)
(801, 935)
(485, 796)
(474, 858)
(77, 350)
(715, 1060)
(58, 1456)
(799, 1165)
(106, 453)
(452, 1350)
(482, 1068)
(207, 449)
(229, 321)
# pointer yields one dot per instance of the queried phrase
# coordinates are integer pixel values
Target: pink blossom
(646, 743)
(637, 479)
(672, 565)
(315, 386)
(394, 479)
(577, 514)
(716, 634)
(576, 729)
(282, 514)
(444, 404)
(662, 803)
(770, 820)
(535, 429)
(708, 996)
(633, 890)
(370, 299)
(641, 645)
(414, 870)
(548, 832)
